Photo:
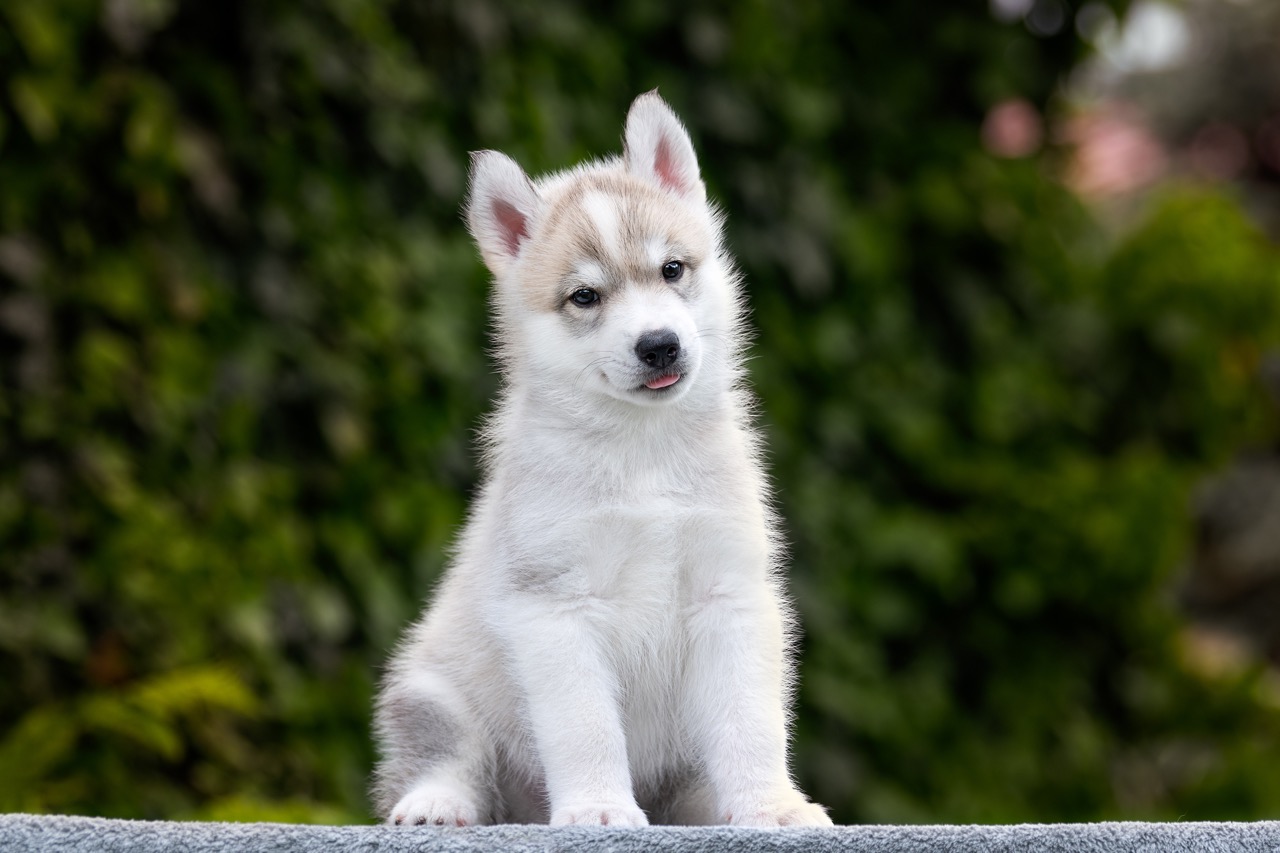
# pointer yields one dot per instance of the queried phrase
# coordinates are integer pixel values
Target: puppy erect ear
(657, 148)
(501, 207)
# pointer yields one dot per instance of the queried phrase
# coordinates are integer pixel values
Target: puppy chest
(632, 555)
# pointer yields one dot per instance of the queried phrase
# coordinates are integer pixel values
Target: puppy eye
(672, 270)
(584, 297)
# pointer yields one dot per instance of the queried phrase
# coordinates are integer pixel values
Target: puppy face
(618, 287)
(609, 276)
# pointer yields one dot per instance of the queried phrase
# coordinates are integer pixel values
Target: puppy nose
(658, 349)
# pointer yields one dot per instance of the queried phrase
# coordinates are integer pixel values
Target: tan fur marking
(569, 234)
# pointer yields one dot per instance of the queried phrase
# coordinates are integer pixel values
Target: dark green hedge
(242, 358)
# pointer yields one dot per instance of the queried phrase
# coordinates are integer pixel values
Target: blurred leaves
(242, 358)
(147, 719)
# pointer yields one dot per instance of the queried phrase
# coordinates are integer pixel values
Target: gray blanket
(21, 833)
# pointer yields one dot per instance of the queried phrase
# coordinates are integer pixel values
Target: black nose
(658, 349)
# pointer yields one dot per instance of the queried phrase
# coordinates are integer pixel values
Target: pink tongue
(662, 381)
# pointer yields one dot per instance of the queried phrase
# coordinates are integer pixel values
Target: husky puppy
(610, 644)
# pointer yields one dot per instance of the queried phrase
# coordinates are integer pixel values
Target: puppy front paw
(432, 804)
(599, 814)
(791, 809)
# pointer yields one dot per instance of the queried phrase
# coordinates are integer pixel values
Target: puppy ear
(501, 207)
(658, 149)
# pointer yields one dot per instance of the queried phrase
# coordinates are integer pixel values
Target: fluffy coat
(610, 643)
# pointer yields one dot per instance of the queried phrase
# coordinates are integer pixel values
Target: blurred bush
(243, 338)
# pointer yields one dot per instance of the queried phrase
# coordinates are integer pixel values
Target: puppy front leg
(572, 695)
(734, 702)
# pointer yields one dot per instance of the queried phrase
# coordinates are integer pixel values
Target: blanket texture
(22, 833)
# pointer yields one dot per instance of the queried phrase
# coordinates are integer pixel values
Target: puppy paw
(789, 810)
(599, 814)
(434, 805)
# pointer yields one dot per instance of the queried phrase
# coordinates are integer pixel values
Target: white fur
(610, 644)
(604, 215)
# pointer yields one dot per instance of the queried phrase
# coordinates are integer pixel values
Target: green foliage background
(243, 339)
